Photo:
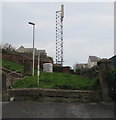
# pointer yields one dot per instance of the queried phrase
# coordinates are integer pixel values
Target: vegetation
(112, 83)
(6, 47)
(56, 81)
(112, 72)
(57, 68)
(51, 80)
(11, 65)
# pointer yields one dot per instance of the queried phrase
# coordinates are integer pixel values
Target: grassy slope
(11, 65)
(56, 81)
(50, 80)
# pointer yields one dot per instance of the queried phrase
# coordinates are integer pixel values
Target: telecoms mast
(59, 36)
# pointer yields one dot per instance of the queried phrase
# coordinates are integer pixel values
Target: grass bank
(11, 65)
(57, 81)
(51, 80)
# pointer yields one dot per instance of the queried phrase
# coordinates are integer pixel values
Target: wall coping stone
(104, 60)
(59, 90)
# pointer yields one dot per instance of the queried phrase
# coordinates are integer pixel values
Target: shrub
(90, 73)
(78, 71)
(7, 48)
(57, 69)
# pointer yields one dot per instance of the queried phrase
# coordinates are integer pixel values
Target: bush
(90, 73)
(78, 71)
(7, 48)
(72, 71)
(57, 69)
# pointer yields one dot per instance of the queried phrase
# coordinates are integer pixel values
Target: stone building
(30, 50)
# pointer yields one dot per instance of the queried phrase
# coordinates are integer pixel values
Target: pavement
(35, 109)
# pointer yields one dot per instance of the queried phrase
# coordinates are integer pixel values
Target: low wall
(21, 57)
(78, 95)
(11, 76)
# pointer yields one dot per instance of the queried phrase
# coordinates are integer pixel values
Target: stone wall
(12, 76)
(15, 57)
(22, 57)
(104, 66)
(5, 95)
(78, 95)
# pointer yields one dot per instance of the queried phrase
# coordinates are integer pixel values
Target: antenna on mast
(59, 36)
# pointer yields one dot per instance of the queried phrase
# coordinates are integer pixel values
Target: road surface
(34, 109)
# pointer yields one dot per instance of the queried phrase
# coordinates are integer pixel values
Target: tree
(7, 47)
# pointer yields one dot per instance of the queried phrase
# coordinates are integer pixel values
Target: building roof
(30, 50)
(94, 58)
(113, 60)
(21, 49)
(41, 51)
(113, 57)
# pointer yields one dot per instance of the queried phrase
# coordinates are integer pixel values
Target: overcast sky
(88, 28)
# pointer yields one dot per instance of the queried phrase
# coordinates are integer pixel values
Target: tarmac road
(34, 109)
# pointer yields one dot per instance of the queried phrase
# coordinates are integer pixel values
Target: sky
(88, 28)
